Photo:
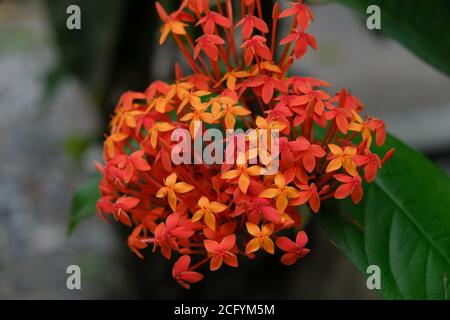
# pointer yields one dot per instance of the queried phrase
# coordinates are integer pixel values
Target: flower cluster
(217, 213)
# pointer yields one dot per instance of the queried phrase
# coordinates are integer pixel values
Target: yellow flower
(281, 192)
(156, 129)
(342, 158)
(171, 187)
(244, 174)
(207, 211)
(261, 238)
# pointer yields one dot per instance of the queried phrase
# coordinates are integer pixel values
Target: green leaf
(83, 203)
(402, 225)
(421, 26)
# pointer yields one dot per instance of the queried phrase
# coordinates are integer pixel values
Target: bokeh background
(57, 88)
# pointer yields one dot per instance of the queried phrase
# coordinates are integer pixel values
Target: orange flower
(156, 129)
(261, 238)
(232, 76)
(227, 105)
(359, 125)
(135, 242)
(192, 97)
(244, 174)
(111, 141)
(262, 123)
(199, 113)
(172, 187)
(207, 211)
(282, 192)
(171, 24)
(221, 252)
(342, 158)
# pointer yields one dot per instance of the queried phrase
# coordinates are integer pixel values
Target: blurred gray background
(44, 128)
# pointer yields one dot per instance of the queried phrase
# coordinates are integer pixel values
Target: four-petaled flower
(171, 186)
(261, 238)
(351, 186)
(211, 19)
(222, 252)
(294, 250)
(207, 211)
(302, 13)
(208, 43)
(249, 22)
(183, 275)
(302, 41)
(120, 208)
(342, 158)
(281, 191)
(171, 24)
(309, 153)
(244, 173)
(307, 194)
(256, 46)
(371, 163)
(135, 242)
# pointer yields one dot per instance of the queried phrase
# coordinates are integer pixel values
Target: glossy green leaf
(402, 225)
(83, 203)
(421, 26)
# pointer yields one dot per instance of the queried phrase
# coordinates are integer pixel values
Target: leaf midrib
(413, 221)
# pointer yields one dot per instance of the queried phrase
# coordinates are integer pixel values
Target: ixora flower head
(217, 212)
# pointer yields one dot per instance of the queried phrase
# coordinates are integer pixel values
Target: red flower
(208, 44)
(167, 233)
(221, 252)
(183, 275)
(371, 163)
(302, 13)
(294, 250)
(302, 41)
(211, 19)
(250, 22)
(351, 186)
(135, 241)
(132, 163)
(256, 46)
(265, 86)
(307, 94)
(307, 194)
(309, 153)
(119, 208)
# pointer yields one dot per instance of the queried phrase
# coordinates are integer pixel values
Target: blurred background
(57, 89)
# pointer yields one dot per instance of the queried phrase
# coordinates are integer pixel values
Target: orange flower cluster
(217, 213)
